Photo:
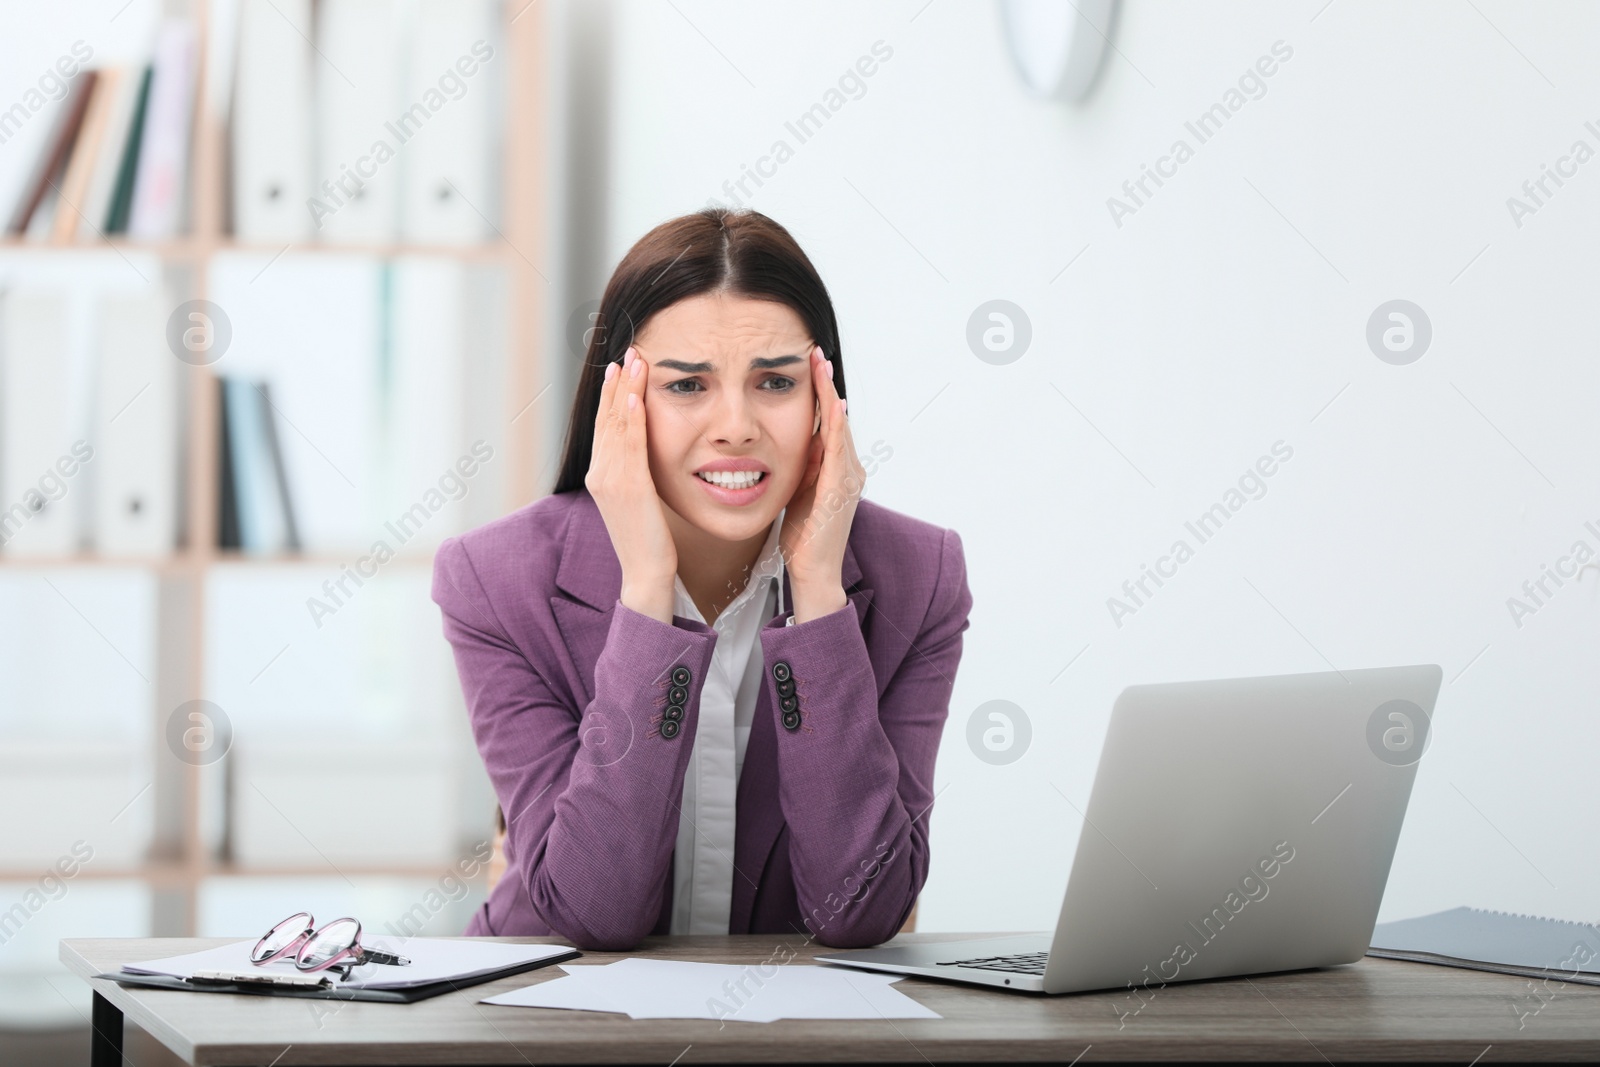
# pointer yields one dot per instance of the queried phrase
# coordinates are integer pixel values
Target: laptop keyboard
(1021, 963)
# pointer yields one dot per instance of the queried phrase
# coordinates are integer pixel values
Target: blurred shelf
(493, 251)
(182, 603)
(368, 870)
(178, 874)
(235, 558)
(179, 561)
(182, 248)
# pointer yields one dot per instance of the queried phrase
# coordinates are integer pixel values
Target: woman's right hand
(619, 480)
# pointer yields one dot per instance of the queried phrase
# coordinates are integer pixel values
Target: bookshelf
(179, 861)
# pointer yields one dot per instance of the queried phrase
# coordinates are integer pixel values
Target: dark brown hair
(744, 253)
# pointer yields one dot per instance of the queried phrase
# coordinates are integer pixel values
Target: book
(227, 496)
(121, 202)
(260, 486)
(243, 453)
(53, 160)
(159, 186)
(280, 474)
(1507, 943)
(87, 146)
(97, 198)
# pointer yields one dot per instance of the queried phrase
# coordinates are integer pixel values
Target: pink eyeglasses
(338, 944)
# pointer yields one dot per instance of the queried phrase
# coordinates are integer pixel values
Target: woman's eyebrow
(759, 363)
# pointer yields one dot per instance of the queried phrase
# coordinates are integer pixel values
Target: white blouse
(702, 883)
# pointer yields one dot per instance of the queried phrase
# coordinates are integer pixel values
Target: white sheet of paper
(432, 959)
(677, 989)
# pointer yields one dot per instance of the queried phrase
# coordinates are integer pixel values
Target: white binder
(357, 92)
(135, 430)
(42, 484)
(451, 159)
(271, 130)
(425, 437)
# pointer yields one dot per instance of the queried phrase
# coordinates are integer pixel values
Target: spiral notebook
(1525, 945)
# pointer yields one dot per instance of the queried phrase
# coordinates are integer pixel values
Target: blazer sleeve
(856, 778)
(591, 794)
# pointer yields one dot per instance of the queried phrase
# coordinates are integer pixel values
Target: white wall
(1224, 315)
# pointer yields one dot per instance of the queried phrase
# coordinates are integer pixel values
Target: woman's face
(729, 387)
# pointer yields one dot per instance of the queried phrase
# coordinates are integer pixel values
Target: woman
(708, 681)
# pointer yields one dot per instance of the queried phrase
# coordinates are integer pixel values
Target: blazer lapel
(590, 574)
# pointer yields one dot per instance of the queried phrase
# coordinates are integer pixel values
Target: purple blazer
(567, 687)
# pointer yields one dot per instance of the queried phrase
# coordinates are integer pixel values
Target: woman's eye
(778, 384)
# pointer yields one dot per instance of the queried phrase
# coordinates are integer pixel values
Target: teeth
(732, 479)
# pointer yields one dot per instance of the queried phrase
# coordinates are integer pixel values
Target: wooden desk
(1374, 1010)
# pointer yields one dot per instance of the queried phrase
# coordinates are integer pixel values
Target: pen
(290, 981)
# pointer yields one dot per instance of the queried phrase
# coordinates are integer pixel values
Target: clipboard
(408, 995)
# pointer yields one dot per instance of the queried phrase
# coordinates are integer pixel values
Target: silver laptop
(1235, 827)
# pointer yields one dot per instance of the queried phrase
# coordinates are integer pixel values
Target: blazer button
(790, 704)
(677, 695)
(681, 676)
(791, 720)
(669, 729)
(673, 713)
(786, 689)
(781, 671)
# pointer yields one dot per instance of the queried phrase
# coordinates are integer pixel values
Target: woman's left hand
(816, 524)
